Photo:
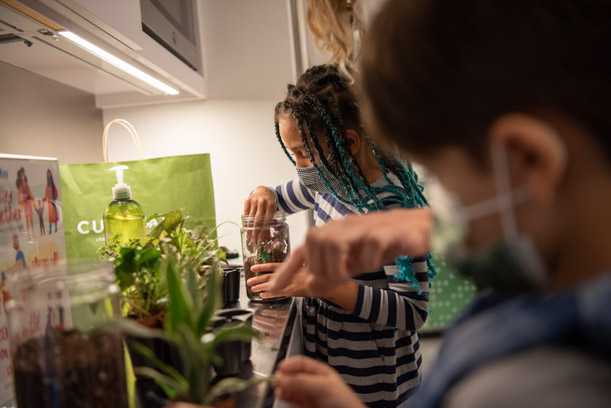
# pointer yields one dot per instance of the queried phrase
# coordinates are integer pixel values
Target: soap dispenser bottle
(123, 216)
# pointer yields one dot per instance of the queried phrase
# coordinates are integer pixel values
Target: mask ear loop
(505, 199)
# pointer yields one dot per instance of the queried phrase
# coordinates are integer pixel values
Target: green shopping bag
(159, 185)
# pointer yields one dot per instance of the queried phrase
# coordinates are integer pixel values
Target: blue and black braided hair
(323, 105)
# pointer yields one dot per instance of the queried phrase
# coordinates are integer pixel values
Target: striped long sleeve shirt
(375, 348)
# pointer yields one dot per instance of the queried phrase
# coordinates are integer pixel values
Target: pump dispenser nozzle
(121, 190)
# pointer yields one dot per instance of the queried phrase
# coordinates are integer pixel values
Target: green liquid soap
(126, 219)
(123, 217)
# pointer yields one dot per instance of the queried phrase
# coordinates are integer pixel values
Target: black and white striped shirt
(375, 348)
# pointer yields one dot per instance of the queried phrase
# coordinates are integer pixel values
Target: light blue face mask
(513, 265)
(310, 178)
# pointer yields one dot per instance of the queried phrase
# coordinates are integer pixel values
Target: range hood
(86, 56)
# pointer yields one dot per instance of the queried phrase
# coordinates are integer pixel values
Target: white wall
(247, 49)
(249, 61)
(239, 135)
(41, 117)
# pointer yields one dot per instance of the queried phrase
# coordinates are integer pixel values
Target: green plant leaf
(233, 331)
(231, 385)
(196, 363)
(169, 223)
(162, 379)
(148, 256)
(192, 286)
(131, 327)
(211, 303)
(169, 391)
(178, 310)
(166, 369)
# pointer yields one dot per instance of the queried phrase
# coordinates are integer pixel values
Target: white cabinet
(115, 26)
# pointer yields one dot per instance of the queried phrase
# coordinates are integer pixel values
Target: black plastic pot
(149, 393)
(234, 353)
(231, 285)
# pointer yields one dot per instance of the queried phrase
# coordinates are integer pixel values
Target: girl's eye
(299, 155)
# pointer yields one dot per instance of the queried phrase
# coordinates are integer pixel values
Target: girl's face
(292, 140)
(294, 144)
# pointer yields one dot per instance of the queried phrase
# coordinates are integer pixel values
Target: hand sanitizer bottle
(123, 216)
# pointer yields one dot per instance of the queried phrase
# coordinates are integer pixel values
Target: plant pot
(234, 353)
(149, 393)
(231, 285)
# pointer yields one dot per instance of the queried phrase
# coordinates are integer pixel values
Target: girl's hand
(261, 202)
(308, 383)
(294, 288)
(261, 205)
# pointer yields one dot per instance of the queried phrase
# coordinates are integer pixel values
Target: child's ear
(535, 151)
(353, 141)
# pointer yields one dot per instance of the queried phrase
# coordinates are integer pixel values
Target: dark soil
(71, 369)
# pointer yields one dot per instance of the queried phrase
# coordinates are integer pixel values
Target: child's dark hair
(324, 105)
(438, 72)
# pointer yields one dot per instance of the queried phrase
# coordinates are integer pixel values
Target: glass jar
(62, 354)
(264, 240)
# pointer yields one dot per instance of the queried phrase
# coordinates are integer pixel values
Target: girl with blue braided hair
(366, 328)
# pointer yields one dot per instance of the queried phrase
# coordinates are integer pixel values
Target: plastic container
(231, 285)
(123, 216)
(234, 354)
(62, 354)
(264, 240)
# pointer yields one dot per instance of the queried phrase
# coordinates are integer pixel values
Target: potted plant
(137, 264)
(190, 329)
(173, 266)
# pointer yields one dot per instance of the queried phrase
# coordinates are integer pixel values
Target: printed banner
(31, 236)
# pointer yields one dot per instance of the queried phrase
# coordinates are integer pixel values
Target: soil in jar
(71, 369)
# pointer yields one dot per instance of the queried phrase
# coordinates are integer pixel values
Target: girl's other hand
(295, 288)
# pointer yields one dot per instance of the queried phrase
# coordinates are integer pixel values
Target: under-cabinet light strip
(119, 63)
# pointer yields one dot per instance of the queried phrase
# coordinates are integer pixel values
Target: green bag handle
(130, 129)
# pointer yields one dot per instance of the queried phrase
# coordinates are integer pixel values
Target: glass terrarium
(264, 240)
(63, 351)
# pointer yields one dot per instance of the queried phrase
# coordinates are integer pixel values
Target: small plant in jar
(264, 240)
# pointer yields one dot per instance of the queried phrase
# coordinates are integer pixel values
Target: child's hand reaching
(261, 205)
(294, 288)
(308, 383)
(343, 295)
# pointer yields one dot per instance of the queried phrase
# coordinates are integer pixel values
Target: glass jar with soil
(63, 355)
(264, 240)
